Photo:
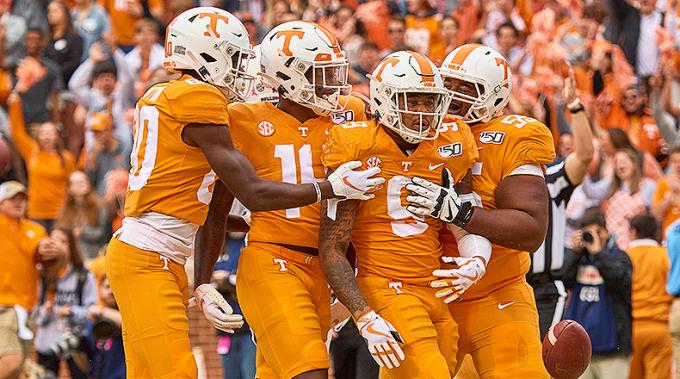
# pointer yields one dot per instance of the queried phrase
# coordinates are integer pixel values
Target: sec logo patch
(373, 162)
(265, 128)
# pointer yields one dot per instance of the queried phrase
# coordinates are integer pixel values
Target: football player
(409, 332)
(280, 286)
(180, 137)
(497, 317)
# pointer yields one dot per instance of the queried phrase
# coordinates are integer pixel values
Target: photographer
(103, 334)
(67, 291)
(599, 274)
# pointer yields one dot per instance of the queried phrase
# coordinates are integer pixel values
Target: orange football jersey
(505, 143)
(391, 242)
(283, 149)
(167, 175)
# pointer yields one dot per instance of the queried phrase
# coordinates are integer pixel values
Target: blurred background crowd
(72, 70)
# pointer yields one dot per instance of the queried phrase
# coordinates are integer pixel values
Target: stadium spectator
(38, 82)
(124, 16)
(48, 165)
(65, 46)
(105, 153)
(104, 335)
(633, 27)
(499, 13)
(639, 123)
(652, 345)
(422, 30)
(32, 11)
(673, 288)
(449, 34)
(19, 248)
(90, 21)
(84, 214)
(396, 30)
(624, 194)
(12, 30)
(111, 89)
(147, 55)
(369, 57)
(613, 140)
(66, 294)
(599, 275)
(666, 205)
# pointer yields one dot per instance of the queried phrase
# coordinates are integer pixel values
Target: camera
(104, 328)
(69, 342)
(588, 237)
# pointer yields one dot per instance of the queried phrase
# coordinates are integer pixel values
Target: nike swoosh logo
(344, 180)
(502, 306)
(435, 166)
(369, 328)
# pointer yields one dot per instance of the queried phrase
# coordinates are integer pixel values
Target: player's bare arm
(334, 239)
(240, 178)
(210, 238)
(520, 221)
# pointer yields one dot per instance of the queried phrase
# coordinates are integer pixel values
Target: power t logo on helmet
(396, 87)
(215, 44)
(315, 71)
(480, 81)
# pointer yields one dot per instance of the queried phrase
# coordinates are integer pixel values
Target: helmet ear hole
(498, 101)
(208, 58)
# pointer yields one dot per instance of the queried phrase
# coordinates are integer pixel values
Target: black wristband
(464, 215)
(578, 108)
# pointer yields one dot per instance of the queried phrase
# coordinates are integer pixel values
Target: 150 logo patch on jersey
(452, 150)
(492, 137)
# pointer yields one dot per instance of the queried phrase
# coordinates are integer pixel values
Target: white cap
(10, 189)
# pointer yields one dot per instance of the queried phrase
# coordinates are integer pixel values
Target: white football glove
(468, 271)
(381, 338)
(430, 199)
(350, 184)
(215, 308)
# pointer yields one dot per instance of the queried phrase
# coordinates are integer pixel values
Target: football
(566, 350)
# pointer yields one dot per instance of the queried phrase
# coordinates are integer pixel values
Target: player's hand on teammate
(430, 199)
(349, 183)
(215, 308)
(381, 338)
(454, 282)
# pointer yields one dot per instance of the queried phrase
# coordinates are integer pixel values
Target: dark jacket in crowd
(600, 297)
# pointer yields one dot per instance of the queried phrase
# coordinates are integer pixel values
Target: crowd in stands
(72, 70)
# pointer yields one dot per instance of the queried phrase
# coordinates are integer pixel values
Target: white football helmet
(398, 76)
(304, 62)
(262, 90)
(490, 73)
(215, 44)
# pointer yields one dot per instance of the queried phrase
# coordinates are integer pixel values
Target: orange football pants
(286, 301)
(422, 320)
(652, 350)
(152, 294)
(500, 332)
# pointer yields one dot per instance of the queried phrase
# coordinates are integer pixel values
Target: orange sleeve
(531, 143)
(469, 144)
(335, 150)
(24, 143)
(199, 104)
